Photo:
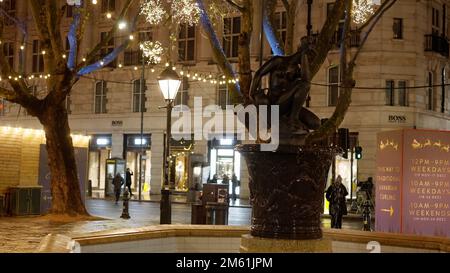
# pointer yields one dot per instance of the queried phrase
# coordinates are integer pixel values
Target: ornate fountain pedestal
(252, 244)
(286, 191)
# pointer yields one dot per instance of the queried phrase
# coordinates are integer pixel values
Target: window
(430, 92)
(183, 96)
(133, 56)
(100, 97)
(108, 48)
(2, 107)
(223, 98)
(8, 51)
(231, 31)
(333, 85)
(108, 6)
(186, 43)
(281, 25)
(402, 93)
(398, 28)
(38, 57)
(390, 95)
(435, 28)
(139, 96)
(10, 7)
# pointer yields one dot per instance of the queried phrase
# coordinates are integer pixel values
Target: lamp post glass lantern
(169, 83)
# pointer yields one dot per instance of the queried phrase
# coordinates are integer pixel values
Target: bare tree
(64, 73)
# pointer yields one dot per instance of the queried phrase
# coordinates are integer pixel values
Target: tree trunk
(66, 195)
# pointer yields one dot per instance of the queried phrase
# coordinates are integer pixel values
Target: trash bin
(198, 214)
(216, 213)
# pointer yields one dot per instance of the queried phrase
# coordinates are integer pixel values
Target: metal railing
(438, 44)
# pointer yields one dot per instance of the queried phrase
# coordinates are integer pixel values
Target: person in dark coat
(128, 180)
(117, 182)
(336, 196)
(234, 184)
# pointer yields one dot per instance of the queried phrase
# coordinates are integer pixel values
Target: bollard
(366, 216)
(126, 198)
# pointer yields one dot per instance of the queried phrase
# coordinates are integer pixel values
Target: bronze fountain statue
(289, 86)
(287, 185)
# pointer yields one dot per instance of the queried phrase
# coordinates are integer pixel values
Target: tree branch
(235, 5)
(7, 94)
(374, 20)
(286, 5)
(324, 44)
(219, 54)
(270, 32)
(90, 57)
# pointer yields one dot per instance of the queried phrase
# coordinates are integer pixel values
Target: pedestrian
(128, 181)
(234, 184)
(214, 179)
(117, 182)
(336, 196)
(225, 179)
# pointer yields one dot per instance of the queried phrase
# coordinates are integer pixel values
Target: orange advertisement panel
(388, 182)
(426, 183)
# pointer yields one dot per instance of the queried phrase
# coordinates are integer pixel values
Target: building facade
(401, 74)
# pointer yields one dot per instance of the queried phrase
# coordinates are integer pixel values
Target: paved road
(23, 234)
(181, 213)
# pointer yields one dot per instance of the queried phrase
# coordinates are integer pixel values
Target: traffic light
(343, 134)
(358, 152)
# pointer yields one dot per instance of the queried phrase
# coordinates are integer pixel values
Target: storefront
(99, 152)
(224, 160)
(180, 158)
(134, 145)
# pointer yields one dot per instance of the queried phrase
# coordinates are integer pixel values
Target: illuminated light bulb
(120, 65)
(109, 15)
(84, 59)
(196, 75)
(237, 79)
(102, 63)
(9, 77)
(174, 68)
(20, 76)
(22, 47)
(15, 78)
(223, 77)
(122, 25)
(94, 2)
(152, 70)
(43, 52)
(131, 37)
(167, 64)
(135, 68)
(40, 76)
(188, 75)
(64, 56)
(182, 73)
(210, 76)
(204, 80)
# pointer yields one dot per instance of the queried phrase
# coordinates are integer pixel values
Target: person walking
(117, 182)
(336, 196)
(128, 181)
(234, 184)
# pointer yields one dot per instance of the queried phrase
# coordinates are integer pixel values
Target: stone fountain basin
(228, 239)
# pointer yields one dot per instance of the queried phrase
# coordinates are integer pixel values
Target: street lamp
(169, 83)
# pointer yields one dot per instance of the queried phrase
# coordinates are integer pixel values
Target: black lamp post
(169, 83)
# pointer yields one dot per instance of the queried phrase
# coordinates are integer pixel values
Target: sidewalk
(175, 198)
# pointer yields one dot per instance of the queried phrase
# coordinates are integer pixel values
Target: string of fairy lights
(185, 12)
